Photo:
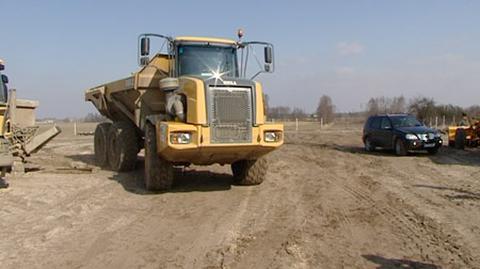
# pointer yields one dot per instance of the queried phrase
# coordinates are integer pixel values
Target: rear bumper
(201, 152)
(423, 145)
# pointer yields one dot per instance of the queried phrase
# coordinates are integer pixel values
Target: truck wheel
(460, 138)
(100, 145)
(158, 172)
(400, 149)
(122, 146)
(250, 172)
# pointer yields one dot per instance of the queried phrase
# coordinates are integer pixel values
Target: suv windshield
(405, 121)
(207, 61)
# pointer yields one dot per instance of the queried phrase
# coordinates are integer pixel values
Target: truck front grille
(230, 114)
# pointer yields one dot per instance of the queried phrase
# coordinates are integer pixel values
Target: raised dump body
(192, 105)
(130, 98)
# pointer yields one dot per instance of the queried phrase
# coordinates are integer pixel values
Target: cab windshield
(207, 61)
(405, 121)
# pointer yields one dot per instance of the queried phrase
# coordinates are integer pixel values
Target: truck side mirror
(4, 79)
(144, 46)
(268, 55)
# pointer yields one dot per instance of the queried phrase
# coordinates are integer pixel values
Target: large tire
(100, 144)
(158, 172)
(250, 172)
(122, 147)
(400, 149)
(460, 137)
(451, 143)
(369, 147)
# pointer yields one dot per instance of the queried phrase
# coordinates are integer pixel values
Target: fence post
(296, 124)
(75, 128)
(436, 122)
(443, 125)
(321, 122)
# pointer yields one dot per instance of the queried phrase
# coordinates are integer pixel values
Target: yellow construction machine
(18, 133)
(466, 135)
(192, 104)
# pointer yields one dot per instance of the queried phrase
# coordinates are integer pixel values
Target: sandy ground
(325, 204)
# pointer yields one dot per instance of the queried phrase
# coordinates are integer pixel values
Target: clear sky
(350, 50)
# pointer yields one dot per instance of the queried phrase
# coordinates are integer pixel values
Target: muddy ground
(325, 204)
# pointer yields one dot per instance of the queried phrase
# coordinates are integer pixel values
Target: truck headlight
(180, 138)
(272, 136)
(411, 137)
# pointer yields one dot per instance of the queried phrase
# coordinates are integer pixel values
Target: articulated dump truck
(192, 104)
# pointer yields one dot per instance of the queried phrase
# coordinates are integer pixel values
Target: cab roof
(205, 39)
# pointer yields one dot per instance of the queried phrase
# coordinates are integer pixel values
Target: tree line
(424, 108)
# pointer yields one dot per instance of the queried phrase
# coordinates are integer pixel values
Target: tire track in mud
(426, 235)
(272, 229)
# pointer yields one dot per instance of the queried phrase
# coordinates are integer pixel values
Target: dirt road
(325, 204)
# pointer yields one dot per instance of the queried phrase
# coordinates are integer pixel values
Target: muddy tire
(400, 149)
(158, 172)
(369, 147)
(100, 144)
(122, 147)
(250, 172)
(460, 139)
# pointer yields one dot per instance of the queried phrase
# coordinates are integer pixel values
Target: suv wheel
(400, 149)
(369, 147)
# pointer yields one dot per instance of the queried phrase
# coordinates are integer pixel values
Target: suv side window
(375, 124)
(385, 124)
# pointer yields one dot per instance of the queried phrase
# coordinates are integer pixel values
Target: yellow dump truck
(192, 104)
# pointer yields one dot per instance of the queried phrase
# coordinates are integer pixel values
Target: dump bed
(124, 99)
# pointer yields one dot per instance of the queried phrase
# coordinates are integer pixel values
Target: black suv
(400, 132)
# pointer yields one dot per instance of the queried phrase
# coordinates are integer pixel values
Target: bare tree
(298, 113)
(424, 108)
(280, 112)
(326, 109)
(373, 107)
(398, 105)
(386, 105)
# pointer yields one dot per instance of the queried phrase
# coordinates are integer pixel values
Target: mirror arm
(168, 38)
(258, 73)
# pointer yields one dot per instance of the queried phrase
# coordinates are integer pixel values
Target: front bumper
(201, 152)
(424, 145)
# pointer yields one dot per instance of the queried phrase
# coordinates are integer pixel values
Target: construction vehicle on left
(19, 136)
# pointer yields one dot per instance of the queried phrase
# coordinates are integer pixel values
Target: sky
(349, 50)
